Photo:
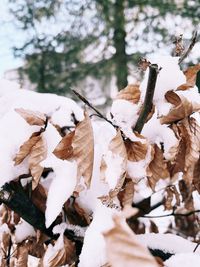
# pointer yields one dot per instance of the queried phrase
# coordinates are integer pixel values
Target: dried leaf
(196, 176)
(32, 117)
(64, 149)
(168, 199)
(22, 256)
(25, 149)
(130, 93)
(38, 154)
(153, 227)
(64, 255)
(126, 195)
(39, 197)
(136, 150)
(186, 193)
(123, 249)
(180, 111)
(83, 149)
(173, 98)
(157, 168)
(190, 74)
(103, 168)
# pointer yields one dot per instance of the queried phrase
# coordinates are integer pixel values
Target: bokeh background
(91, 45)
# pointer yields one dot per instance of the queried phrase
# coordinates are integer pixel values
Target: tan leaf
(186, 193)
(180, 111)
(190, 74)
(136, 150)
(103, 168)
(32, 117)
(64, 255)
(171, 192)
(83, 149)
(39, 197)
(22, 256)
(196, 176)
(25, 149)
(153, 227)
(173, 98)
(64, 149)
(126, 195)
(38, 154)
(130, 93)
(157, 168)
(123, 249)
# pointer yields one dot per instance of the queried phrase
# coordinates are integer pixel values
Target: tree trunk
(120, 58)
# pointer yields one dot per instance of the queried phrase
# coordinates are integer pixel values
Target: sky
(9, 36)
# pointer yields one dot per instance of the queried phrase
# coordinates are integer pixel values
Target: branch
(82, 98)
(171, 214)
(147, 105)
(192, 43)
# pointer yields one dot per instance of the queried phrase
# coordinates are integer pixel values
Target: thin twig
(198, 244)
(82, 98)
(147, 105)
(192, 43)
(171, 214)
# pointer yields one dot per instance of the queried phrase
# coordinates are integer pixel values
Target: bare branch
(192, 43)
(147, 105)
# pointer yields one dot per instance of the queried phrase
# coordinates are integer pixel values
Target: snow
(8, 87)
(165, 81)
(93, 253)
(23, 230)
(61, 187)
(167, 242)
(183, 259)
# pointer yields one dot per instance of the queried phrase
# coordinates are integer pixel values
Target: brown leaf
(126, 195)
(130, 93)
(123, 249)
(64, 255)
(39, 197)
(179, 111)
(157, 168)
(190, 74)
(168, 199)
(32, 117)
(196, 176)
(22, 256)
(64, 149)
(83, 149)
(25, 149)
(153, 227)
(136, 150)
(186, 193)
(103, 168)
(38, 154)
(173, 98)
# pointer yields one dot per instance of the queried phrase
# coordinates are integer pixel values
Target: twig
(171, 214)
(147, 105)
(91, 106)
(192, 43)
(198, 244)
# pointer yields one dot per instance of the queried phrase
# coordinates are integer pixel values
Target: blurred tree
(70, 39)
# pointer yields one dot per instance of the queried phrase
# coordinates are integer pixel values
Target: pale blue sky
(9, 36)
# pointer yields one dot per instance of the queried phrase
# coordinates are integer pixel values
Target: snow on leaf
(83, 149)
(190, 74)
(180, 111)
(38, 154)
(32, 117)
(130, 93)
(64, 149)
(60, 255)
(25, 149)
(136, 150)
(157, 168)
(123, 249)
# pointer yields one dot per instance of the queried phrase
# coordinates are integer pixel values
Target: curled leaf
(123, 249)
(190, 74)
(25, 149)
(32, 117)
(157, 168)
(22, 256)
(37, 155)
(136, 150)
(130, 93)
(64, 149)
(181, 110)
